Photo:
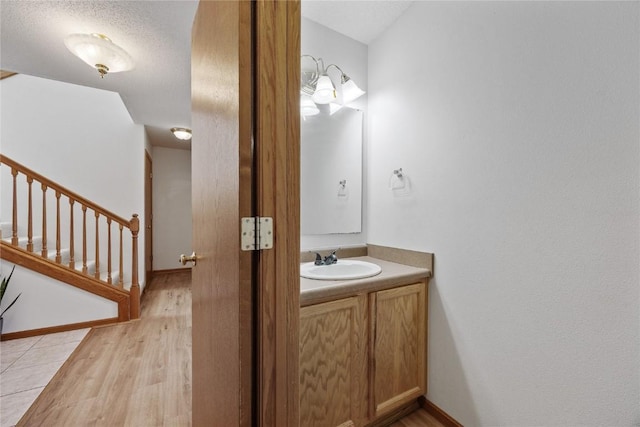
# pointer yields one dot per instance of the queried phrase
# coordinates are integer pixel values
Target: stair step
(6, 229)
(65, 254)
(91, 269)
(22, 241)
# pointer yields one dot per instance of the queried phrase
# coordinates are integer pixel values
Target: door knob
(184, 259)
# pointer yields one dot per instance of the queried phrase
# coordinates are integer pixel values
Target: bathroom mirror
(331, 172)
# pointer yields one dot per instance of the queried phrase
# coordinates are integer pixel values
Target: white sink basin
(344, 269)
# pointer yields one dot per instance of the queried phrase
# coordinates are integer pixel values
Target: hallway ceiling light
(99, 52)
(183, 134)
(317, 84)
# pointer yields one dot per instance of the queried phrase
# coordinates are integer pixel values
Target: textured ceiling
(360, 20)
(157, 34)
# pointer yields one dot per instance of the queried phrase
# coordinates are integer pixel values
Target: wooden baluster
(97, 272)
(84, 239)
(121, 276)
(14, 225)
(72, 261)
(44, 221)
(109, 250)
(134, 292)
(58, 256)
(30, 216)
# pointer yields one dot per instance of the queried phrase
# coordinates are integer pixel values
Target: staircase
(62, 235)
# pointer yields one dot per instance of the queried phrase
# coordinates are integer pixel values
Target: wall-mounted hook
(342, 188)
(398, 180)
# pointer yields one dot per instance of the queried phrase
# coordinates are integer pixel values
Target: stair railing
(49, 187)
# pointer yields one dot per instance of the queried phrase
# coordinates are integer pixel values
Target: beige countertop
(393, 274)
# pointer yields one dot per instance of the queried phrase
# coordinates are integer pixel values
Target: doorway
(245, 163)
(148, 216)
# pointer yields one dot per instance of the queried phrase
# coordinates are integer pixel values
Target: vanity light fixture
(350, 91)
(99, 52)
(307, 106)
(183, 134)
(325, 92)
(318, 85)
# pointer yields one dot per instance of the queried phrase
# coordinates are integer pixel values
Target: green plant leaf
(12, 302)
(5, 283)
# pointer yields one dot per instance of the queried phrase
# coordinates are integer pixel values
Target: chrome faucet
(328, 260)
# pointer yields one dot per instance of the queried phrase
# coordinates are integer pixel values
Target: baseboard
(56, 329)
(437, 413)
(394, 416)
(170, 271)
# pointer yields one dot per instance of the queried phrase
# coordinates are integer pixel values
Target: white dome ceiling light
(99, 52)
(183, 134)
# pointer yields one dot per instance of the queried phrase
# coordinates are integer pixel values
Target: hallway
(147, 361)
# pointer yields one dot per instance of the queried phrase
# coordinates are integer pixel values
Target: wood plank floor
(131, 374)
(137, 373)
(419, 418)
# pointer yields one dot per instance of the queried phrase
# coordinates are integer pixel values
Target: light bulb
(325, 92)
(350, 92)
(308, 107)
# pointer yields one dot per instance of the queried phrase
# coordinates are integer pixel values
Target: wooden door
(148, 216)
(398, 357)
(278, 196)
(333, 363)
(245, 162)
(221, 156)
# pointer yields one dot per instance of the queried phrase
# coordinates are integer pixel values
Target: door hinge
(256, 233)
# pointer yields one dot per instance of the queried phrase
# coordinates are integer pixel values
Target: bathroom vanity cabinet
(333, 363)
(363, 356)
(398, 340)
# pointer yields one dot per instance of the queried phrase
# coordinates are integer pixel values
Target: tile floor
(26, 367)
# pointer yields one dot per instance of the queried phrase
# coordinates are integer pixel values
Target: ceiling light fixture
(317, 84)
(183, 134)
(99, 52)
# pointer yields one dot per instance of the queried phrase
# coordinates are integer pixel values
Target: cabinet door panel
(399, 337)
(333, 368)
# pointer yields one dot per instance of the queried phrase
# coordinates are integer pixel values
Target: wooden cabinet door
(398, 356)
(333, 365)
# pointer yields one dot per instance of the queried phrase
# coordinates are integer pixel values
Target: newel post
(134, 292)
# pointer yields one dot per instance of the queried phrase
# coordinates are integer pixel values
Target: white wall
(44, 302)
(171, 207)
(81, 138)
(518, 125)
(350, 55)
